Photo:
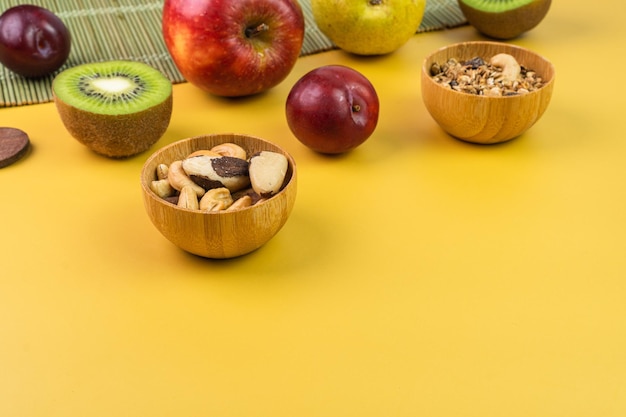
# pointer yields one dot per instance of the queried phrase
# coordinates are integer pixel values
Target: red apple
(33, 41)
(332, 109)
(233, 48)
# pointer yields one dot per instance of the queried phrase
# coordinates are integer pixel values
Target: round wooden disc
(14, 144)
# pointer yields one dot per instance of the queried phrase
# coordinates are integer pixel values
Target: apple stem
(356, 108)
(253, 31)
(376, 2)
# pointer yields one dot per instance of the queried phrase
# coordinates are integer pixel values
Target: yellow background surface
(417, 276)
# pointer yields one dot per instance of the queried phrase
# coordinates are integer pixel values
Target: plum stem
(253, 31)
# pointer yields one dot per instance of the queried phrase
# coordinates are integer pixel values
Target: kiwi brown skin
(117, 136)
(507, 24)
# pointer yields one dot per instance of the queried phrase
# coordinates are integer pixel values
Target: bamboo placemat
(131, 29)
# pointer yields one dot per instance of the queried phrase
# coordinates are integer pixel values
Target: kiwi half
(116, 108)
(504, 19)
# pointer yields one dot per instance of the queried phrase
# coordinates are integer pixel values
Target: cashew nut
(162, 188)
(205, 152)
(216, 199)
(161, 171)
(188, 198)
(510, 67)
(221, 179)
(178, 178)
(243, 202)
(493, 92)
(230, 149)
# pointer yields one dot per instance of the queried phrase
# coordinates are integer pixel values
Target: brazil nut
(217, 171)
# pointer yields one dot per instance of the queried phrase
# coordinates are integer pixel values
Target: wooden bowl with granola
(219, 196)
(486, 92)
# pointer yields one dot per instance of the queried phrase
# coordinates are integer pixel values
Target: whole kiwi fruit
(504, 19)
(116, 108)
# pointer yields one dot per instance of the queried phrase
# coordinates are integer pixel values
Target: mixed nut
(222, 178)
(500, 76)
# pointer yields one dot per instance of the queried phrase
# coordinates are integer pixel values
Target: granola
(480, 77)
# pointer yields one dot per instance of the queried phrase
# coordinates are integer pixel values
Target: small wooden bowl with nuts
(486, 92)
(219, 196)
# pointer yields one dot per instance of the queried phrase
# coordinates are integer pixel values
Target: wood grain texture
(131, 30)
(482, 119)
(218, 234)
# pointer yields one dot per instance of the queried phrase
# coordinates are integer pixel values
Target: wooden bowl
(483, 119)
(224, 234)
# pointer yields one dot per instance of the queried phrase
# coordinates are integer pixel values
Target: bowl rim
(149, 193)
(426, 71)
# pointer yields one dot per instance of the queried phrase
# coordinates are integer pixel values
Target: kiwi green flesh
(113, 87)
(496, 6)
(507, 24)
(117, 128)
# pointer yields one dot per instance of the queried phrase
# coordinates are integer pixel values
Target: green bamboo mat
(131, 29)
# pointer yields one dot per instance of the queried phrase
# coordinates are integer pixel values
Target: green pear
(368, 27)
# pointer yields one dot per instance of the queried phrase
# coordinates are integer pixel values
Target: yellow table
(417, 276)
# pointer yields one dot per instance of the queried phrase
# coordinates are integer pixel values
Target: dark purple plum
(332, 109)
(34, 42)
